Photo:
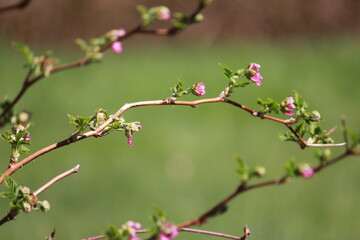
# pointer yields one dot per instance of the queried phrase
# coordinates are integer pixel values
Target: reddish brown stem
(243, 188)
(20, 5)
(98, 132)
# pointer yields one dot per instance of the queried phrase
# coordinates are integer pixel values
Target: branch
(243, 188)
(127, 106)
(247, 233)
(28, 81)
(57, 178)
(14, 211)
(20, 5)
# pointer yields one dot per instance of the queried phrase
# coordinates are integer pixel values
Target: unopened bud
(26, 207)
(198, 18)
(314, 116)
(260, 171)
(44, 206)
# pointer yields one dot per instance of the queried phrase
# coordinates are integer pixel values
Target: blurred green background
(183, 158)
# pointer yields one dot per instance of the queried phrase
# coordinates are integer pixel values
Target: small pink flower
(169, 231)
(198, 89)
(163, 13)
(120, 32)
(132, 227)
(129, 140)
(307, 172)
(117, 47)
(288, 106)
(139, 127)
(26, 138)
(254, 73)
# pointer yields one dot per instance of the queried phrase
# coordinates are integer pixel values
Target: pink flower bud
(26, 138)
(198, 89)
(253, 73)
(120, 32)
(163, 13)
(169, 231)
(129, 140)
(306, 171)
(139, 127)
(117, 47)
(288, 106)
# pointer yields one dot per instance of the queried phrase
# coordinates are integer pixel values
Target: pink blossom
(139, 127)
(164, 16)
(307, 172)
(120, 32)
(199, 89)
(163, 13)
(129, 140)
(169, 231)
(26, 138)
(288, 106)
(254, 73)
(132, 227)
(117, 47)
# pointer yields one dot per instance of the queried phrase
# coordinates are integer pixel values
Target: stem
(57, 178)
(127, 106)
(20, 5)
(213, 233)
(15, 211)
(243, 188)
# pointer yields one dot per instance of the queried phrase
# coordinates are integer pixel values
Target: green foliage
(246, 173)
(25, 51)
(269, 106)
(178, 90)
(354, 137)
(36, 65)
(233, 77)
(113, 233)
(290, 167)
(22, 198)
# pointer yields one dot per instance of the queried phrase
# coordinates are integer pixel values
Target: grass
(183, 159)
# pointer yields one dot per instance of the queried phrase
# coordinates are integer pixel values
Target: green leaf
(7, 195)
(241, 84)
(113, 233)
(290, 167)
(227, 71)
(11, 185)
(355, 138)
(24, 50)
(82, 44)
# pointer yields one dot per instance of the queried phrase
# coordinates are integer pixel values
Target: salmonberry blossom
(163, 13)
(306, 171)
(117, 47)
(288, 106)
(253, 73)
(120, 32)
(198, 89)
(26, 138)
(129, 140)
(131, 227)
(169, 231)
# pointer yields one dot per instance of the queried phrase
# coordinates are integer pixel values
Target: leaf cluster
(36, 65)
(22, 198)
(246, 173)
(233, 78)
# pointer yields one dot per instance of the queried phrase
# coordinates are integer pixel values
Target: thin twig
(243, 188)
(57, 178)
(14, 211)
(127, 106)
(20, 5)
(215, 233)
